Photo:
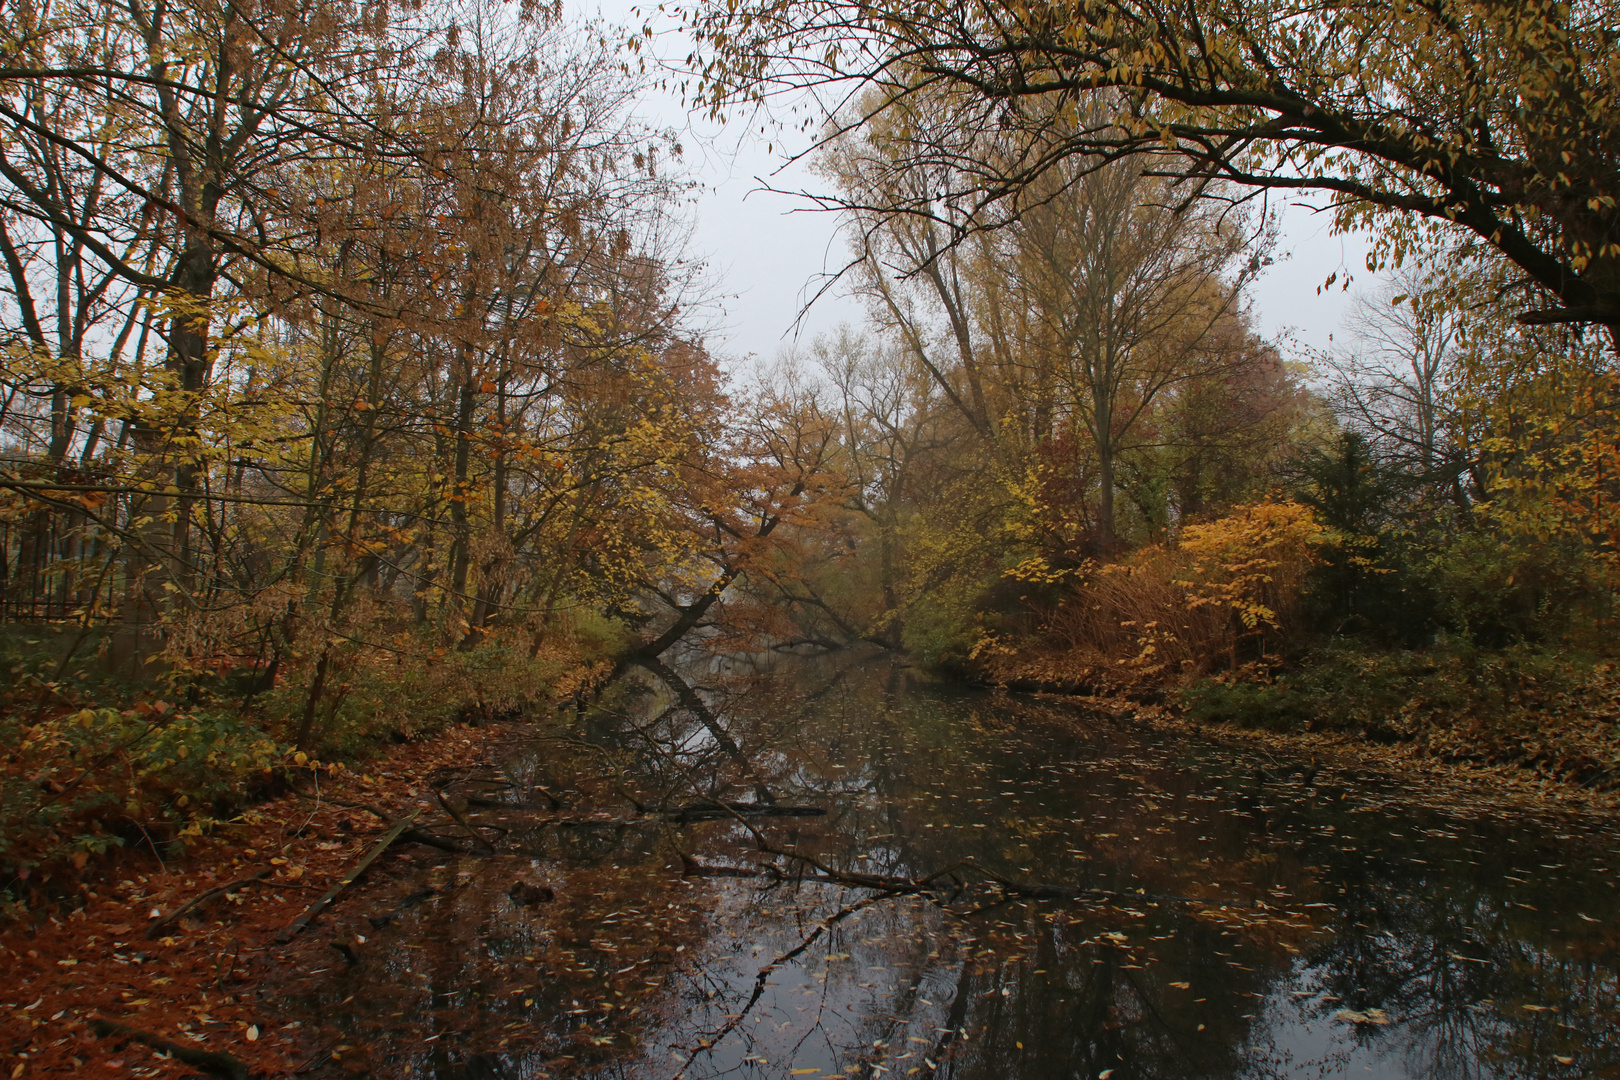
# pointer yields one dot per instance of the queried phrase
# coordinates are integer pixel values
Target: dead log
(715, 811)
(418, 836)
(394, 832)
(215, 1062)
(461, 819)
(155, 931)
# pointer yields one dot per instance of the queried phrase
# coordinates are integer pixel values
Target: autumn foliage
(1228, 588)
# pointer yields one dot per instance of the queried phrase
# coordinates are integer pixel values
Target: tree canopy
(1500, 118)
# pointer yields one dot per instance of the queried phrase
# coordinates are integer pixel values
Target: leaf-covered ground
(1539, 726)
(202, 982)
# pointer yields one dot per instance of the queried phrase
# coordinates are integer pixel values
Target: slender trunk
(1105, 500)
(488, 577)
(307, 727)
(194, 280)
(893, 626)
(461, 550)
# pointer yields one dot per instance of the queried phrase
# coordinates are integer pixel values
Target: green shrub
(79, 781)
(1396, 695)
(1498, 587)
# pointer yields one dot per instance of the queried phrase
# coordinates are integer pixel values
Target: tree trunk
(460, 493)
(1105, 496)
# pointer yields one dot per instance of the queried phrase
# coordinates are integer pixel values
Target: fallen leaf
(1370, 1016)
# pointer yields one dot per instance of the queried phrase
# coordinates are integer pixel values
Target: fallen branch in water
(418, 836)
(212, 1060)
(890, 885)
(155, 931)
(895, 886)
(461, 819)
(681, 815)
(410, 901)
(394, 832)
(709, 1042)
(607, 759)
(715, 811)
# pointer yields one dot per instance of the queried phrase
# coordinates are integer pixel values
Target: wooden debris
(156, 930)
(215, 1062)
(393, 833)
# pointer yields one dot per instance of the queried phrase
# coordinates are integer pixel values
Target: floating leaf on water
(1369, 1016)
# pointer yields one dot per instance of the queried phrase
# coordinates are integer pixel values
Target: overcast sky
(768, 253)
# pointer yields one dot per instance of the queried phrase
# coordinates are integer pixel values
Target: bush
(77, 782)
(1555, 711)
(424, 683)
(1497, 586)
(1337, 687)
(1231, 582)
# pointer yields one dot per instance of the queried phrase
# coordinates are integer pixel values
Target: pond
(713, 873)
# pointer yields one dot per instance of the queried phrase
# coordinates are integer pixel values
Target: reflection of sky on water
(1259, 918)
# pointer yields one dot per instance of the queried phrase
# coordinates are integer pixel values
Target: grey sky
(767, 252)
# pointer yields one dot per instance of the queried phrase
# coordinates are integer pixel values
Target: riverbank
(1526, 722)
(199, 982)
(1211, 895)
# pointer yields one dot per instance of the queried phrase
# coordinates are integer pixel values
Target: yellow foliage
(1175, 610)
(1253, 560)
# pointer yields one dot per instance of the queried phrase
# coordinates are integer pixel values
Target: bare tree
(1129, 294)
(1392, 382)
(1077, 316)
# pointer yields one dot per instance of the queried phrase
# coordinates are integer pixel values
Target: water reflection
(1244, 918)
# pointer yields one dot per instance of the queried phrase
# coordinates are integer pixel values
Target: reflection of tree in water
(1415, 955)
(1195, 955)
(1482, 984)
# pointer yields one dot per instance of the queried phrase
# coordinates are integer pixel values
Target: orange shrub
(1177, 609)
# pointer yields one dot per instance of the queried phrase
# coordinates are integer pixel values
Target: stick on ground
(297, 925)
(212, 1060)
(155, 931)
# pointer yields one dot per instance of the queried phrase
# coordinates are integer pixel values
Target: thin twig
(155, 931)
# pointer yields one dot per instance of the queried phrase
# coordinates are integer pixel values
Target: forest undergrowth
(1270, 620)
(93, 765)
(201, 977)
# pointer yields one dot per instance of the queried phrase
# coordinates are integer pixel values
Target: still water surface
(1221, 912)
